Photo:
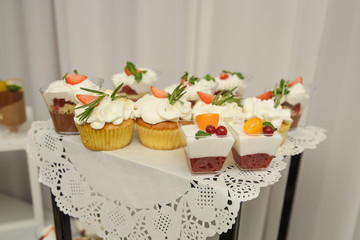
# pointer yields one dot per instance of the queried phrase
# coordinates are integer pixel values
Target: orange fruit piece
(205, 119)
(253, 126)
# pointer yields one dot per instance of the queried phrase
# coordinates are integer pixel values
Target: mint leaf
(269, 124)
(13, 88)
(201, 133)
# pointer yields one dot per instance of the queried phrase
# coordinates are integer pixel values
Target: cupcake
(267, 111)
(228, 80)
(105, 121)
(60, 99)
(12, 104)
(193, 84)
(157, 116)
(227, 106)
(137, 81)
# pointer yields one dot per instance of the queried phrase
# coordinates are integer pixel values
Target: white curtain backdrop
(265, 39)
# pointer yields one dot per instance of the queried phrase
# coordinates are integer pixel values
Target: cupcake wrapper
(106, 140)
(283, 131)
(159, 139)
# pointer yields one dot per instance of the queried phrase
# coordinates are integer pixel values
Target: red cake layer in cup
(252, 161)
(207, 164)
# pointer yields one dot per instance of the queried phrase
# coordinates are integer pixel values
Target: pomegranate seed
(221, 131)
(210, 129)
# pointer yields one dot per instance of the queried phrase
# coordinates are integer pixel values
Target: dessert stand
(140, 193)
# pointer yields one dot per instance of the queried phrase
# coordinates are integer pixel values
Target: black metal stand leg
(289, 196)
(62, 222)
(233, 233)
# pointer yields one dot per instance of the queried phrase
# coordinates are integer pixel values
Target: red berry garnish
(221, 131)
(210, 129)
(128, 90)
(268, 131)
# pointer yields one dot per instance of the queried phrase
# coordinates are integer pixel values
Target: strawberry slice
(223, 76)
(127, 72)
(265, 96)
(296, 81)
(159, 93)
(205, 97)
(74, 79)
(86, 99)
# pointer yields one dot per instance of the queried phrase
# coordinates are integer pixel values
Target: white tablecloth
(140, 193)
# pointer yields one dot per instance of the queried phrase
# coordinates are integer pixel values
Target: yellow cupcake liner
(160, 139)
(106, 139)
(283, 131)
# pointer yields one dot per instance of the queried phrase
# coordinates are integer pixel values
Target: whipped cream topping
(202, 85)
(230, 112)
(231, 82)
(148, 79)
(296, 95)
(154, 110)
(61, 89)
(107, 111)
(265, 110)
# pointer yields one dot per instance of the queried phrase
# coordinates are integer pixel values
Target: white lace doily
(138, 193)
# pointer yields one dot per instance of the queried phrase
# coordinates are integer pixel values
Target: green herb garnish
(13, 87)
(89, 108)
(209, 77)
(178, 92)
(269, 124)
(134, 71)
(238, 74)
(280, 91)
(200, 133)
(229, 97)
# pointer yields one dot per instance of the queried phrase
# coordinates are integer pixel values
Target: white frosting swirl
(154, 110)
(148, 79)
(296, 95)
(202, 85)
(107, 111)
(265, 110)
(231, 82)
(230, 112)
(61, 89)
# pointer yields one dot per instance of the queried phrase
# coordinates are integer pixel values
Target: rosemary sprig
(134, 71)
(90, 107)
(280, 91)
(178, 92)
(227, 97)
(238, 74)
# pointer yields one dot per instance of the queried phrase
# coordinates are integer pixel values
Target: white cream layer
(154, 110)
(108, 111)
(296, 95)
(251, 144)
(149, 78)
(208, 146)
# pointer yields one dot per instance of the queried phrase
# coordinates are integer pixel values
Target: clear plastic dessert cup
(205, 154)
(254, 151)
(12, 104)
(297, 104)
(61, 106)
